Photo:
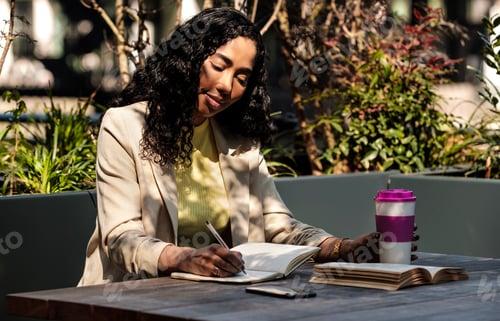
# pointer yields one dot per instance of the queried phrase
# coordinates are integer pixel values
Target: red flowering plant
(385, 112)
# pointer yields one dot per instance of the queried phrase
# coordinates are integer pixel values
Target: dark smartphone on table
(280, 291)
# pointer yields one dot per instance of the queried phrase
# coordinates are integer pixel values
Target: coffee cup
(395, 218)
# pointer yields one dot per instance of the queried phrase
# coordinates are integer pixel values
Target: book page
(434, 270)
(251, 277)
(372, 267)
(383, 267)
(271, 257)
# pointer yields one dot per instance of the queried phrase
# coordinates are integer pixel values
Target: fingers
(216, 271)
(223, 268)
(236, 259)
(232, 260)
(414, 246)
(362, 249)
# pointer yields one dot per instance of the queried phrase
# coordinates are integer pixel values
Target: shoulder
(132, 115)
(233, 143)
(123, 125)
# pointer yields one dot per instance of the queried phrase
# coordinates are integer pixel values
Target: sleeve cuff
(149, 254)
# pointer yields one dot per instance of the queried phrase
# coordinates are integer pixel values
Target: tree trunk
(121, 47)
(178, 13)
(207, 4)
(291, 52)
(9, 37)
(308, 136)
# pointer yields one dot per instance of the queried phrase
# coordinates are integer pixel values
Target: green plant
(61, 159)
(386, 114)
(9, 147)
(275, 164)
(483, 140)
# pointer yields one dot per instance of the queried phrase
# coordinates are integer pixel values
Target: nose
(225, 85)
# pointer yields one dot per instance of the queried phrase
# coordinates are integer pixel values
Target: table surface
(170, 299)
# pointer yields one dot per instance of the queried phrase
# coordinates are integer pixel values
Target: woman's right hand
(213, 260)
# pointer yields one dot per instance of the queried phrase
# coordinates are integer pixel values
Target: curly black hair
(169, 82)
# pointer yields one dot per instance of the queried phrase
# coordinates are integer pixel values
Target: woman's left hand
(365, 248)
(414, 246)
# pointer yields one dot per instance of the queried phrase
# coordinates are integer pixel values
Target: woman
(185, 149)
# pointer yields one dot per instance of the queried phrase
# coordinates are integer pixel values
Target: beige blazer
(137, 201)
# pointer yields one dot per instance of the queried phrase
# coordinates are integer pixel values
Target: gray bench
(455, 216)
(53, 231)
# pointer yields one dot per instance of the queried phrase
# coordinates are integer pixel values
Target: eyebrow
(228, 61)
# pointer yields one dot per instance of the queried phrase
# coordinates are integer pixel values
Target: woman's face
(224, 76)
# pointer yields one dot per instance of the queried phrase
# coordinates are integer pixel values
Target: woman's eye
(216, 67)
(243, 82)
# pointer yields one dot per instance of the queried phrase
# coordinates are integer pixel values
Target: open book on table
(263, 262)
(383, 276)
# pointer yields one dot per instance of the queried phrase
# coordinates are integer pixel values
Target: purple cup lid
(395, 195)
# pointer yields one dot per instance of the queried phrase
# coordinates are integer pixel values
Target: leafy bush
(276, 159)
(386, 116)
(482, 139)
(60, 159)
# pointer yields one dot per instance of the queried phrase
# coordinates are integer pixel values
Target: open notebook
(383, 276)
(263, 262)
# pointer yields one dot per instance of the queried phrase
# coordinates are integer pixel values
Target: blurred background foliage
(385, 114)
(61, 158)
(354, 84)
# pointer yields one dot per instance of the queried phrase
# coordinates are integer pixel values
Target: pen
(219, 238)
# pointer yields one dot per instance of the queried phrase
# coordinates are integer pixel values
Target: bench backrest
(455, 216)
(44, 239)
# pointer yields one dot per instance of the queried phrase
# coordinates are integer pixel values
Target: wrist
(327, 245)
(340, 248)
(344, 249)
(171, 258)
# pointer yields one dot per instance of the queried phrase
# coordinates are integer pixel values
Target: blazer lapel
(235, 170)
(165, 181)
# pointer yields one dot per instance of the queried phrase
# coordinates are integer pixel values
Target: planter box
(455, 215)
(44, 238)
(341, 204)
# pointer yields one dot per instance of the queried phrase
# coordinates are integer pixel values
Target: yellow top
(201, 192)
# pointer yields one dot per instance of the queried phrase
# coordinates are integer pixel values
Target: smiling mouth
(213, 104)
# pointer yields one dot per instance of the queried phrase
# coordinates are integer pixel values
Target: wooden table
(169, 299)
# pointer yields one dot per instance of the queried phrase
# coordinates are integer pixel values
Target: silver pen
(219, 238)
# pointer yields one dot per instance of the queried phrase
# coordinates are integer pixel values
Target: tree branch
(131, 13)
(142, 34)
(240, 6)
(272, 18)
(121, 46)
(254, 10)
(92, 4)
(10, 34)
(178, 14)
(207, 4)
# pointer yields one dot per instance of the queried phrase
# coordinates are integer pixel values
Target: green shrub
(482, 139)
(60, 159)
(385, 113)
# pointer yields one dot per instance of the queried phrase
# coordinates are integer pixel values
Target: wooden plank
(169, 299)
(91, 302)
(245, 310)
(329, 296)
(464, 308)
(45, 304)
